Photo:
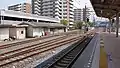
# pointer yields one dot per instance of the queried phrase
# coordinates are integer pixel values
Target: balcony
(57, 6)
(71, 13)
(71, 23)
(71, 9)
(72, 16)
(71, 19)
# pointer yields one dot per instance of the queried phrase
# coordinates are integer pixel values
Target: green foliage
(64, 22)
(78, 24)
(91, 24)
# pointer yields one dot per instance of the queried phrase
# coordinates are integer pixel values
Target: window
(22, 32)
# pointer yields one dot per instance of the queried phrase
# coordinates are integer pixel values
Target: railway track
(33, 40)
(33, 46)
(66, 60)
(22, 42)
(23, 53)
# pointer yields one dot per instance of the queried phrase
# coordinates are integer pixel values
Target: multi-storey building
(60, 9)
(86, 13)
(68, 11)
(77, 14)
(50, 8)
(25, 7)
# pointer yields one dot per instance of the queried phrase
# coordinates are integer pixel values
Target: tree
(91, 24)
(78, 24)
(64, 22)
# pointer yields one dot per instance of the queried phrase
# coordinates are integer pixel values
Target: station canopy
(106, 8)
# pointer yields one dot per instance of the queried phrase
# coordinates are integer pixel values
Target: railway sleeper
(70, 57)
(66, 59)
(61, 64)
(63, 61)
(57, 66)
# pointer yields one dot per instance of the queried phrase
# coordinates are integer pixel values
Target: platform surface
(112, 47)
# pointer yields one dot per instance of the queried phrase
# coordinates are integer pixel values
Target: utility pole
(93, 20)
(84, 14)
(0, 16)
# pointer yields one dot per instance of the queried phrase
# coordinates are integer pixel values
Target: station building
(28, 24)
(41, 29)
(17, 31)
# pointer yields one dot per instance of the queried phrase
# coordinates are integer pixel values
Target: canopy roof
(106, 8)
(39, 24)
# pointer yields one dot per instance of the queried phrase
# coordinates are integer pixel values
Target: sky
(77, 4)
(82, 3)
(5, 3)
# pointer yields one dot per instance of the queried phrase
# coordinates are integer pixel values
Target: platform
(112, 47)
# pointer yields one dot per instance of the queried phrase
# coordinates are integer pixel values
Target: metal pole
(110, 25)
(3, 17)
(84, 14)
(117, 23)
(0, 16)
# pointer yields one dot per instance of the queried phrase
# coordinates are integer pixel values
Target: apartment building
(86, 13)
(50, 8)
(81, 14)
(77, 14)
(60, 9)
(22, 7)
(68, 11)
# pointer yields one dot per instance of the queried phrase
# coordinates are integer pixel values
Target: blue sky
(78, 3)
(81, 3)
(5, 3)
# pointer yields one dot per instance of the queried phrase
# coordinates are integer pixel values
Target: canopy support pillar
(117, 24)
(110, 25)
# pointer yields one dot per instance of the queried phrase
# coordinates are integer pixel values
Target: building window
(22, 32)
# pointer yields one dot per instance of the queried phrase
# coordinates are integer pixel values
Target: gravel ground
(31, 62)
(25, 45)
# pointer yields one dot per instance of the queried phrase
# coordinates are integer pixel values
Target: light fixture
(102, 1)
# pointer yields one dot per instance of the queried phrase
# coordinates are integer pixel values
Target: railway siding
(13, 58)
(25, 45)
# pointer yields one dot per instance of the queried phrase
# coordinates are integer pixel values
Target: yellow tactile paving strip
(103, 57)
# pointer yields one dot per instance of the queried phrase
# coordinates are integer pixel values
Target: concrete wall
(12, 32)
(61, 30)
(21, 33)
(47, 29)
(29, 31)
(56, 30)
(4, 33)
(37, 32)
